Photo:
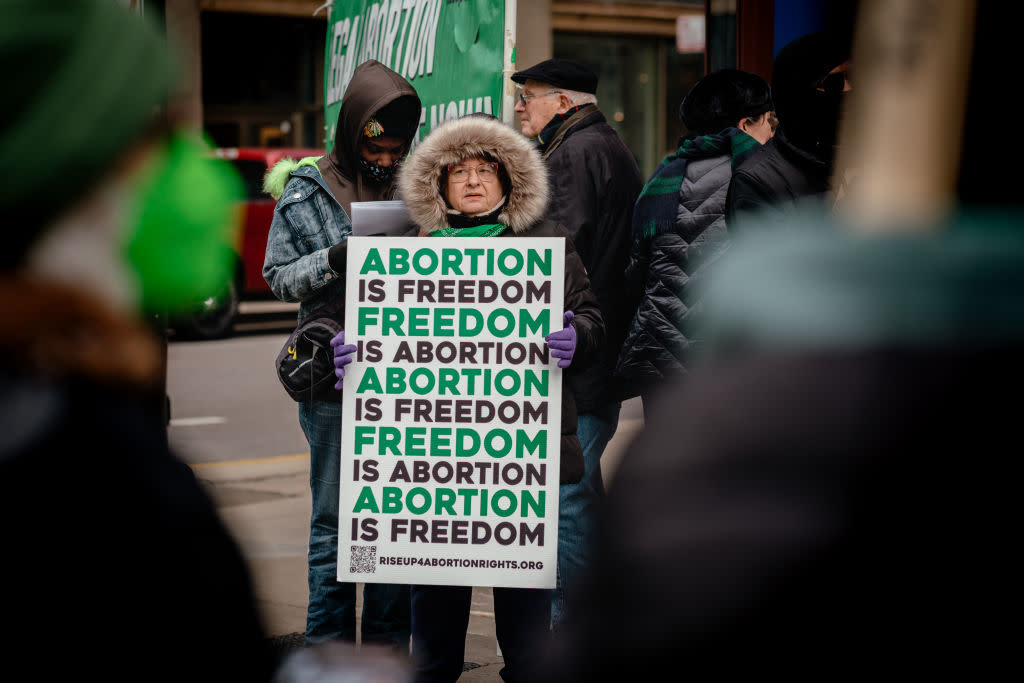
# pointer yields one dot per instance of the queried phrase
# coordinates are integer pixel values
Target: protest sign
(451, 412)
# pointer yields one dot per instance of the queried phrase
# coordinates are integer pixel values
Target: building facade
(255, 67)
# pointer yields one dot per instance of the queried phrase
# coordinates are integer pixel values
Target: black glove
(336, 257)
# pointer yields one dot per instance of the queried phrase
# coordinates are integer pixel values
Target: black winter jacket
(100, 517)
(778, 177)
(806, 497)
(594, 183)
(524, 212)
(662, 273)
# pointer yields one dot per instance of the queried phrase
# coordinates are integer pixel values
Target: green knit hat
(83, 81)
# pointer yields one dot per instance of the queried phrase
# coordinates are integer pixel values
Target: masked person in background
(305, 262)
(809, 85)
(114, 556)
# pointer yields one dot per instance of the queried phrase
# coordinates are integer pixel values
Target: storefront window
(641, 81)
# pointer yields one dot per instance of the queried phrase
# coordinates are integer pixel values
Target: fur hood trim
(276, 178)
(458, 139)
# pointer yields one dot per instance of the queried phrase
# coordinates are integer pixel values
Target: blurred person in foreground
(679, 224)
(116, 564)
(594, 182)
(305, 262)
(832, 493)
(810, 83)
(476, 177)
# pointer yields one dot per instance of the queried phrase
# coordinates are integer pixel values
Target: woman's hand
(342, 356)
(563, 342)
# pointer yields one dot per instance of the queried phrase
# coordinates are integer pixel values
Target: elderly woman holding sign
(474, 176)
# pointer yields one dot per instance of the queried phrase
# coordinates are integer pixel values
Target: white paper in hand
(380, 218)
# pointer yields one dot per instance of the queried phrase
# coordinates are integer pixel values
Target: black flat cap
(561, 73)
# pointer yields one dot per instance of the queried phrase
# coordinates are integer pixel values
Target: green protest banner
(451, 412)
(458, 55)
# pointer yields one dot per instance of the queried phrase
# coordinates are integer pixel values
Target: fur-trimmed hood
(473, 136)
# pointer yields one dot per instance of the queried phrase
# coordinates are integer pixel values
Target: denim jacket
(307, 222)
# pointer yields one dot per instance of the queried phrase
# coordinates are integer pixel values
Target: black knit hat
(722, 98)
(86, 78)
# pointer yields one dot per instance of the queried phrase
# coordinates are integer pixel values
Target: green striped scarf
(655, 210)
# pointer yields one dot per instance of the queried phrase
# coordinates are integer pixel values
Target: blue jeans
(577, 505)
(440, 618)
(332, 605)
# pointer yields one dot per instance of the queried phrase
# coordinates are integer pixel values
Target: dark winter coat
(101, 524)
(664, 268)
(776, 180)
(524, 213)
(837, 486)
(594, 183)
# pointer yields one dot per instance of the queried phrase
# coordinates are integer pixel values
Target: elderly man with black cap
(305, 262)
(594, 181)
(809, 86)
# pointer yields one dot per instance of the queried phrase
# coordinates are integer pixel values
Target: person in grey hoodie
(305, 262)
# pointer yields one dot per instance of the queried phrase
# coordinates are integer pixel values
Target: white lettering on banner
(350, 56)
(411, 17)
(344, 39)
(371, 31)
(333, 86)
(439, 113)
(387, 45)
(419, 47)
(401, 34)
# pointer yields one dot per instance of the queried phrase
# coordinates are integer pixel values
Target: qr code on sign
(363, 559)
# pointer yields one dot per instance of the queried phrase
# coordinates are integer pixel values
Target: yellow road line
(251, 461)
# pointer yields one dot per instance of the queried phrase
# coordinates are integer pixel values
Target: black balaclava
(808, 117)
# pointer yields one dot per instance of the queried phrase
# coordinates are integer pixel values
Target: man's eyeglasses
(486, 172)
(523, 97)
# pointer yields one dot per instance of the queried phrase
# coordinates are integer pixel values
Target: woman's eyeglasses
(486, 172)
(523, 97)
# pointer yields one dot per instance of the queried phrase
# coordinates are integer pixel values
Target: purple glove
(342, 356)
(563, 342)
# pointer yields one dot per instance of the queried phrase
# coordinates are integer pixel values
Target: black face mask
(812, 122)
(826, 109)
(374, 173)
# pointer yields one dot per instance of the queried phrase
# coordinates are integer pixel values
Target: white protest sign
(451, 411)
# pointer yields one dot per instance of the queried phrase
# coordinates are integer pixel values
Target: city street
(234, 424)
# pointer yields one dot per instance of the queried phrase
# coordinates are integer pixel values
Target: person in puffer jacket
(679, 223)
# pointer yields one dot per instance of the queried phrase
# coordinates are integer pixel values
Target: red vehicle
(215, 316)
